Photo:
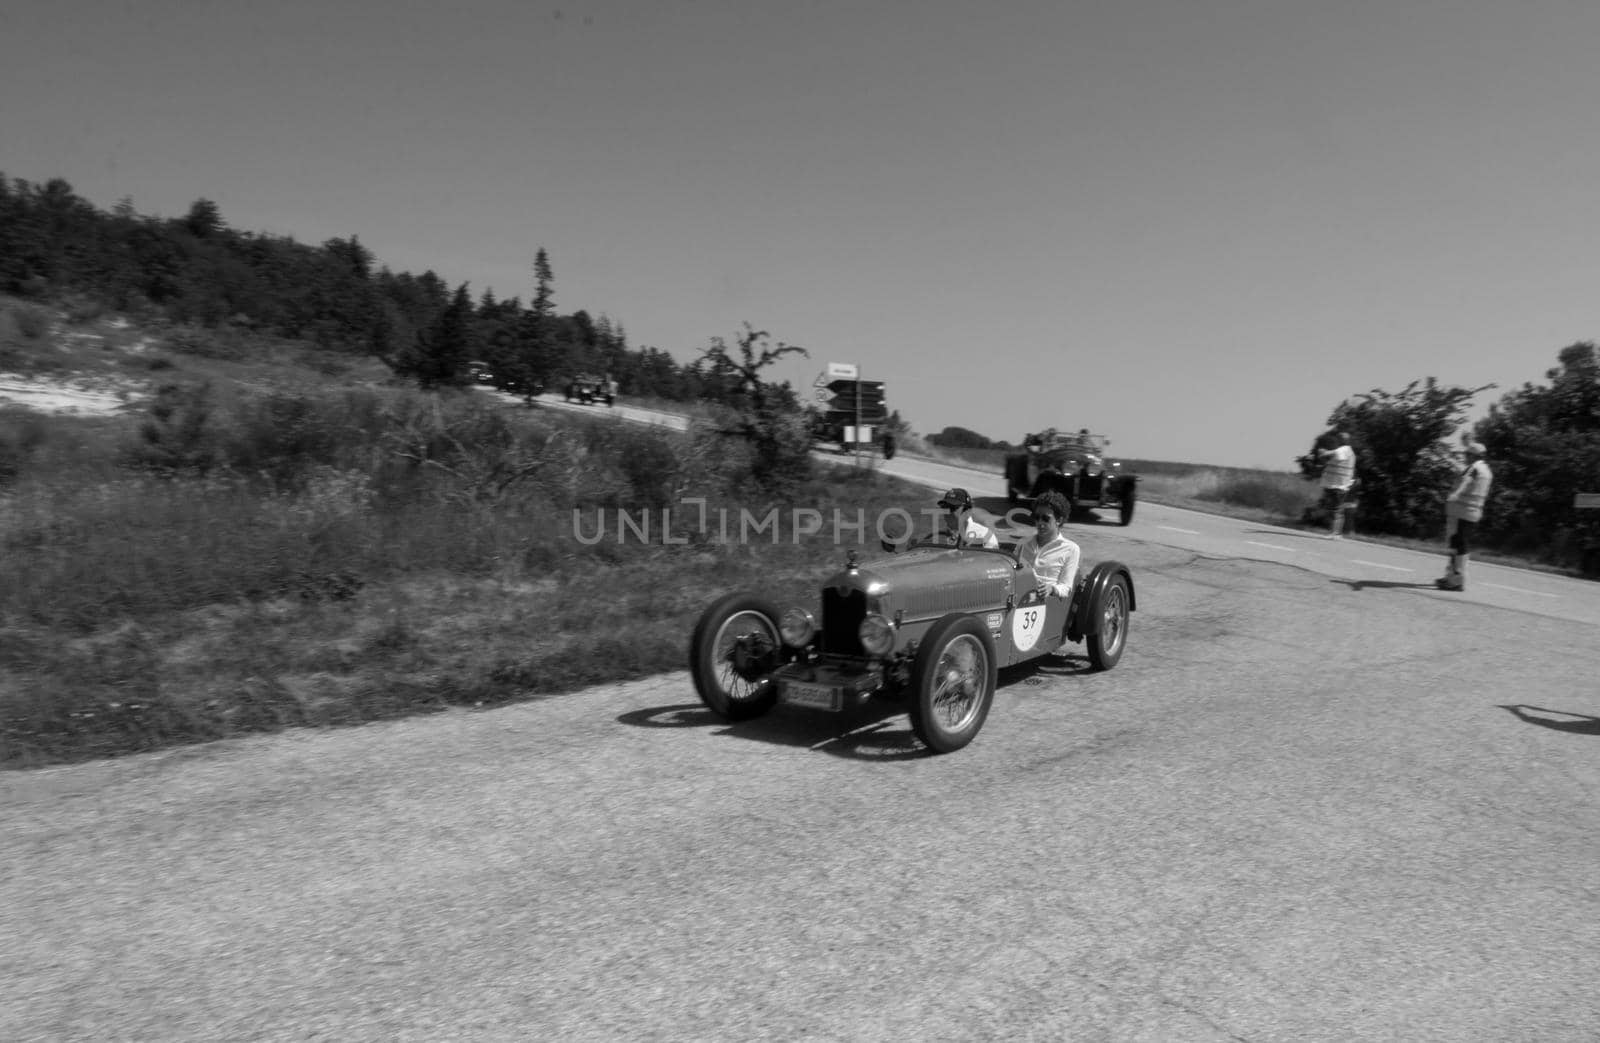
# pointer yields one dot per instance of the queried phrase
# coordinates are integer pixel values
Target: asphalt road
(1308, 805)
(1354, 560)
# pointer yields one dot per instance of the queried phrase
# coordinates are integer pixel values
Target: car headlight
(797, 627)
(877, 635)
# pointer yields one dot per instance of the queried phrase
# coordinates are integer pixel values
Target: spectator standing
(1338, 475)
(1463, 509)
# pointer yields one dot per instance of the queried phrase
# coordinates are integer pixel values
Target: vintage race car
(588, 388)
(1074, 465)
(931, 625)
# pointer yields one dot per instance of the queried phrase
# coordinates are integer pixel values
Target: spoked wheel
(952, 681)
(733, 652)
(1111, 636)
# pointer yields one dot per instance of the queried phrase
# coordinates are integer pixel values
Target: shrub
(32, 322)
(204, 343)
(21, 433)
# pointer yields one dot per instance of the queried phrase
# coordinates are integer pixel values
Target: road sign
(842, 371)
(849, 394)
(1586, 501)
(868, 414)
(867, 388)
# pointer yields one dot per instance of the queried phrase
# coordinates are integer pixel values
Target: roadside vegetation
(232, 559)
(310, 517)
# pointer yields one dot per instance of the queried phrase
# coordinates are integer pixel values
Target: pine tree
(442, 353)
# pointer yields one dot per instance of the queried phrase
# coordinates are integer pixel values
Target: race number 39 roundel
(1027, 623)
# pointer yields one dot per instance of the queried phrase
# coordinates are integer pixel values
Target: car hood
(928, 582)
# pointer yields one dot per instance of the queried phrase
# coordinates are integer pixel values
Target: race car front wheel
(733, 651)
(952, 683)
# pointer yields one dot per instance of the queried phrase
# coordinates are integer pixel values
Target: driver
(958, 520)
(1053, 558)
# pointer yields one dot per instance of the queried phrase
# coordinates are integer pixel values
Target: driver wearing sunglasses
(1053, 558)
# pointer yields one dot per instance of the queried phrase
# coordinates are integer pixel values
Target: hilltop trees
(197, 269)
(963, 438)
(1544, 446)
(439, 357)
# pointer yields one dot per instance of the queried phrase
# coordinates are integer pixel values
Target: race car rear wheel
(952, 683)
(1129, 496)
(734, 649)
(1111, 635)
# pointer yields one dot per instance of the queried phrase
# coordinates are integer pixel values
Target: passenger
(1053, 558)
(958, 519)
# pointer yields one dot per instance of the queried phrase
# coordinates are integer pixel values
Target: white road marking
(1519, 590)
(1380, 565)
(1269, 546)
(1174, 528)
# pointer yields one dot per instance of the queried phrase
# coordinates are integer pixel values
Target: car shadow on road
(1565, 721)
(867, 733)
(1364, 584)
(1035, 670)
(1297, 535)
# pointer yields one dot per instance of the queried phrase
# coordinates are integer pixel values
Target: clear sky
(1192, 225)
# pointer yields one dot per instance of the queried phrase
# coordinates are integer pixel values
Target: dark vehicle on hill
(588, 388)
(528, 389)
(1073, 464)
(931, 626)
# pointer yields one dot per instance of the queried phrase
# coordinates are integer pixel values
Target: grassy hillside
(264, 535)
(270, 536)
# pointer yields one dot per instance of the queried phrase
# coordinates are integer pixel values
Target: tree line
(1542, 442)
(198, 270)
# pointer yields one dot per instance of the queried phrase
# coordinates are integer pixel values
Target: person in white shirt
(1338, 474)
(1052, 557)
(1462, 512)
(958, 518)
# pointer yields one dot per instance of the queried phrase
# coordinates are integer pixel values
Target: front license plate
(816, 696)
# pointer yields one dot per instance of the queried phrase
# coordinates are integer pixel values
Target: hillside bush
(31, 321)
(21, 434)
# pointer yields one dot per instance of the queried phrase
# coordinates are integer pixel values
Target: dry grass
(242, 560)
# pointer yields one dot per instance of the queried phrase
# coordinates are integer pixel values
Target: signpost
(863, 397)
(852, 403)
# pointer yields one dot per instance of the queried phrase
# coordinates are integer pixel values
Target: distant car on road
(588, 388)
(1073, 464)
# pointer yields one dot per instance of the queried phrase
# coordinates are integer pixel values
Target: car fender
(1084, 620)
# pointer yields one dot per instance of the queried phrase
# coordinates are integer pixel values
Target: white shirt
(973, 534)
(976, 534)
(1466, 500)
(1055, 564)
(1339, 470)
